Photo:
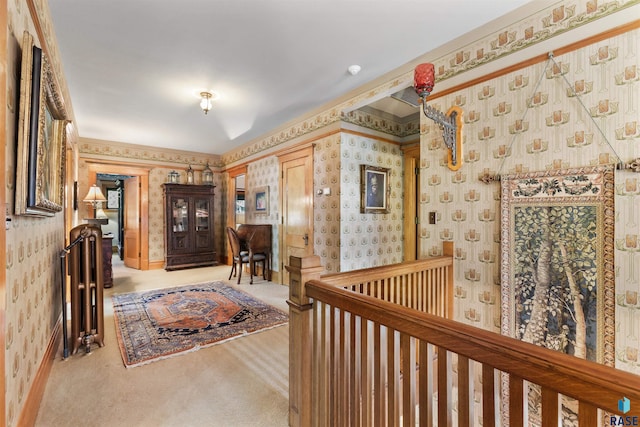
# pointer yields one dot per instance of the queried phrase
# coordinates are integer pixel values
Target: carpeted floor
(243, 382)
(154, 325)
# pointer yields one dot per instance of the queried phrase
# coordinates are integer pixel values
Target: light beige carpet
(243, 382)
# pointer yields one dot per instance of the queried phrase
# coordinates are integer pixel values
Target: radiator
(85, 270)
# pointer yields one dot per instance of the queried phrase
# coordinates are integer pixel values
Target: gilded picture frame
(42, 122)
(374, 189)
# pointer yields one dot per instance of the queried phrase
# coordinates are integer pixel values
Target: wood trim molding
(4, 60)
(379, 138)
(29, 411)
(143, 173)
(299, 153)
(237, 170)
(156, 265)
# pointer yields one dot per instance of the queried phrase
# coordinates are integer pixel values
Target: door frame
(411, 211)
(232, 174)
(143, 173)
(303, 152)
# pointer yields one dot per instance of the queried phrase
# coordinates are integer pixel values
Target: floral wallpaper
(326, 208)
(366, 239)
(344, 238)
(512, 123)
(33, 248)
(265, 173)
(576, 109)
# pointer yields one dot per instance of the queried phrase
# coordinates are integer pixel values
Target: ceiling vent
(408, 96)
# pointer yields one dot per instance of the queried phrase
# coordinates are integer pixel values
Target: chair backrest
(234, 241)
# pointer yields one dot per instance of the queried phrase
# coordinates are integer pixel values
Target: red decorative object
(424, 79)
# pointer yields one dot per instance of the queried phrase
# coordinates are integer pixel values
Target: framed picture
(113, 198)
(374, 193)
(262, 200)
(42, 123)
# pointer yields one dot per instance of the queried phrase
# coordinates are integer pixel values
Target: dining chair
(241, 257)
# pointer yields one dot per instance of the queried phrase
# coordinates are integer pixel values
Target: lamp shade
(94, 196)
(424, 79)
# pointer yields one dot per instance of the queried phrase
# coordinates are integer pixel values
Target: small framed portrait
(374, 194)
(113, 198)
(262, 200)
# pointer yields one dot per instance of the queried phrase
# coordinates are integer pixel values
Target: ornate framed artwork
(557, 266)
(374, 189)
(42, 121)
(262, 200)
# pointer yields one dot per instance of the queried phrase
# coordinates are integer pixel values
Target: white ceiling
(135, 67)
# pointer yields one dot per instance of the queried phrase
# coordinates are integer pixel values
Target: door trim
(303, 152)
(143, 173)
(411, 205)
(231, 213)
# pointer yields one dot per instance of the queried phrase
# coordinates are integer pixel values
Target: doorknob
(306, 239)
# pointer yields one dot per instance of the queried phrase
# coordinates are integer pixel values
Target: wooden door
(297, 207)
(411, 204)
(132, 222)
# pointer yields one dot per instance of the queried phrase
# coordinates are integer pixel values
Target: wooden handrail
(377, 346)
(589, 382)
(378, 273)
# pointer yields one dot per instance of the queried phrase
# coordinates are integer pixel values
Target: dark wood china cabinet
(189, 236)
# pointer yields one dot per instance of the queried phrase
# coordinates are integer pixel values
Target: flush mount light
(354, 69)
(206, 100)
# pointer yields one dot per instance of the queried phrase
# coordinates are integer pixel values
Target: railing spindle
(465, 393)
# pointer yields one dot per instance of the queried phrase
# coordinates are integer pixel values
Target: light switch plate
(432, 218)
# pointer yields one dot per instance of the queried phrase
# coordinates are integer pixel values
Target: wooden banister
(591, 383)
(556, 370)
(378, 347)
(300, 271)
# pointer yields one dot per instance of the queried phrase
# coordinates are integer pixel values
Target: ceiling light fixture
(206, 100)
(451, 123)
(354, 69)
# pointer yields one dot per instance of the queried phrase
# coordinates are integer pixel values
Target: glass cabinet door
(202, 214)
(180, 209)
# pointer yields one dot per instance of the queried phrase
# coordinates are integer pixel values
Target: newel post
(301, 270)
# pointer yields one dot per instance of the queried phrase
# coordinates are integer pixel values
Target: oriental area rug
(154, 325)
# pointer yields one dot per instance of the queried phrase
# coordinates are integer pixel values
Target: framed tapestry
(557, 266)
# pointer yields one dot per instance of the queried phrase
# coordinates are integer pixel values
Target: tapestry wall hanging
(557, 268)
